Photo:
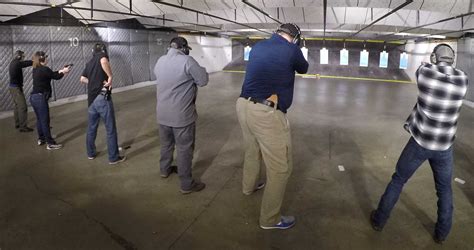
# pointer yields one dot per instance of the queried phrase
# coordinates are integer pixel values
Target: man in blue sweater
(267, 93)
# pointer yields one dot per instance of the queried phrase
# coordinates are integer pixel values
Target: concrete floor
(62, 200)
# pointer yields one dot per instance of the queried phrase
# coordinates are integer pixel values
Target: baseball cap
(444, 54)
(181, 42)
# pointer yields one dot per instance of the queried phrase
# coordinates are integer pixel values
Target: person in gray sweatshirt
(178, 75)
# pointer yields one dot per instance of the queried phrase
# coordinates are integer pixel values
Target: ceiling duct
(209, 15)
(407, 2)
(261, 11)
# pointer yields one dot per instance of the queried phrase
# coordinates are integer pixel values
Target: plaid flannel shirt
(433, 121)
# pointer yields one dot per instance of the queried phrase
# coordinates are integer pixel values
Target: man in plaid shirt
(432, 126)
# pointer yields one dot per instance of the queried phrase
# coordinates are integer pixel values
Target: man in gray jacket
(178, 75)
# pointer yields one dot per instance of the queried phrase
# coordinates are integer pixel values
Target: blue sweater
(271, 70)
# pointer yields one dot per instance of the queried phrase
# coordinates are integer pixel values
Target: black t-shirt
(96, 76)
(42, 77)
(16, 71)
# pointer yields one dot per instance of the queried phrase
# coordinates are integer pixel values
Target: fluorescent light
(402, 34)
(437, 36)
(410, 34)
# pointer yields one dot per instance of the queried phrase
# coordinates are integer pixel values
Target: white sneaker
(54, 146)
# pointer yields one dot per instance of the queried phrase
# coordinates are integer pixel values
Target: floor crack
(116, 237)
(205, 208)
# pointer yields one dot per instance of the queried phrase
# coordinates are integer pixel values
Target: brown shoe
(197, 186)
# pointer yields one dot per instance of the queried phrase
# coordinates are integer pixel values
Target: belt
(261, 101)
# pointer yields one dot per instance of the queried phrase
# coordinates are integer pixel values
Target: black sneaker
(119, 159)
(26, 129)
(197, 186)
(372, 222)
(438, 239)
(41, 142)
(260, 186)
(54, 146)
(172, 169)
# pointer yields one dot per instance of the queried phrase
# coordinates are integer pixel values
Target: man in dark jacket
(267, 94)
(20, 110)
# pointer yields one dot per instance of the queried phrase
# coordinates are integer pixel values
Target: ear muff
(296, 37)
(41, 55)
(100, 48)
(19, 54)
(434, 56)
(184, 49)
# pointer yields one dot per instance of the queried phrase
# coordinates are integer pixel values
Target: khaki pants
(20, 109)
(266, 133)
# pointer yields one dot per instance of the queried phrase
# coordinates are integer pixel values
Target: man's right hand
(108, 82)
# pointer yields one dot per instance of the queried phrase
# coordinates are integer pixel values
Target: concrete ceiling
(343, 16)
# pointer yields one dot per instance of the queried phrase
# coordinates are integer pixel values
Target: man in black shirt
(98, 76)
(16, 90)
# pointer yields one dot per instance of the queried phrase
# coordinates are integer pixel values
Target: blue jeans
(41, 108)
(442, 166)
(102, 108)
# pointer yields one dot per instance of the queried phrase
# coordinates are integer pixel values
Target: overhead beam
(261, 11)
(407, 2)
(428, 24)
(105, 11)
(325, 6)
(209, 15)
(418, 38)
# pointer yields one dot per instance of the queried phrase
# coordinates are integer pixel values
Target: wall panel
(140, 56)
(120, 56)
(6, 50)
(133, 54)
(66, 48)
(158, 44)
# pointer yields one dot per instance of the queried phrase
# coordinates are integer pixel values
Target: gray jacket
(177, 76)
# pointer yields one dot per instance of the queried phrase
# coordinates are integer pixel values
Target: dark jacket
(16, 71)
(42, 77)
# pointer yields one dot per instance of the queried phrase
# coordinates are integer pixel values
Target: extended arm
(199, 74)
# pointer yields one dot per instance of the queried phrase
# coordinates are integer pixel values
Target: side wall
(133, 53)
(465, 61)
(213, 53)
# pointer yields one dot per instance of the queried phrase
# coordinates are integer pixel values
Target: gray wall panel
(133, 54)
(158, 44)
(140, 58)
(91, 36)
(6, 50)
(120, 56)
(31, 39)
(66, 48)
(465, 62)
